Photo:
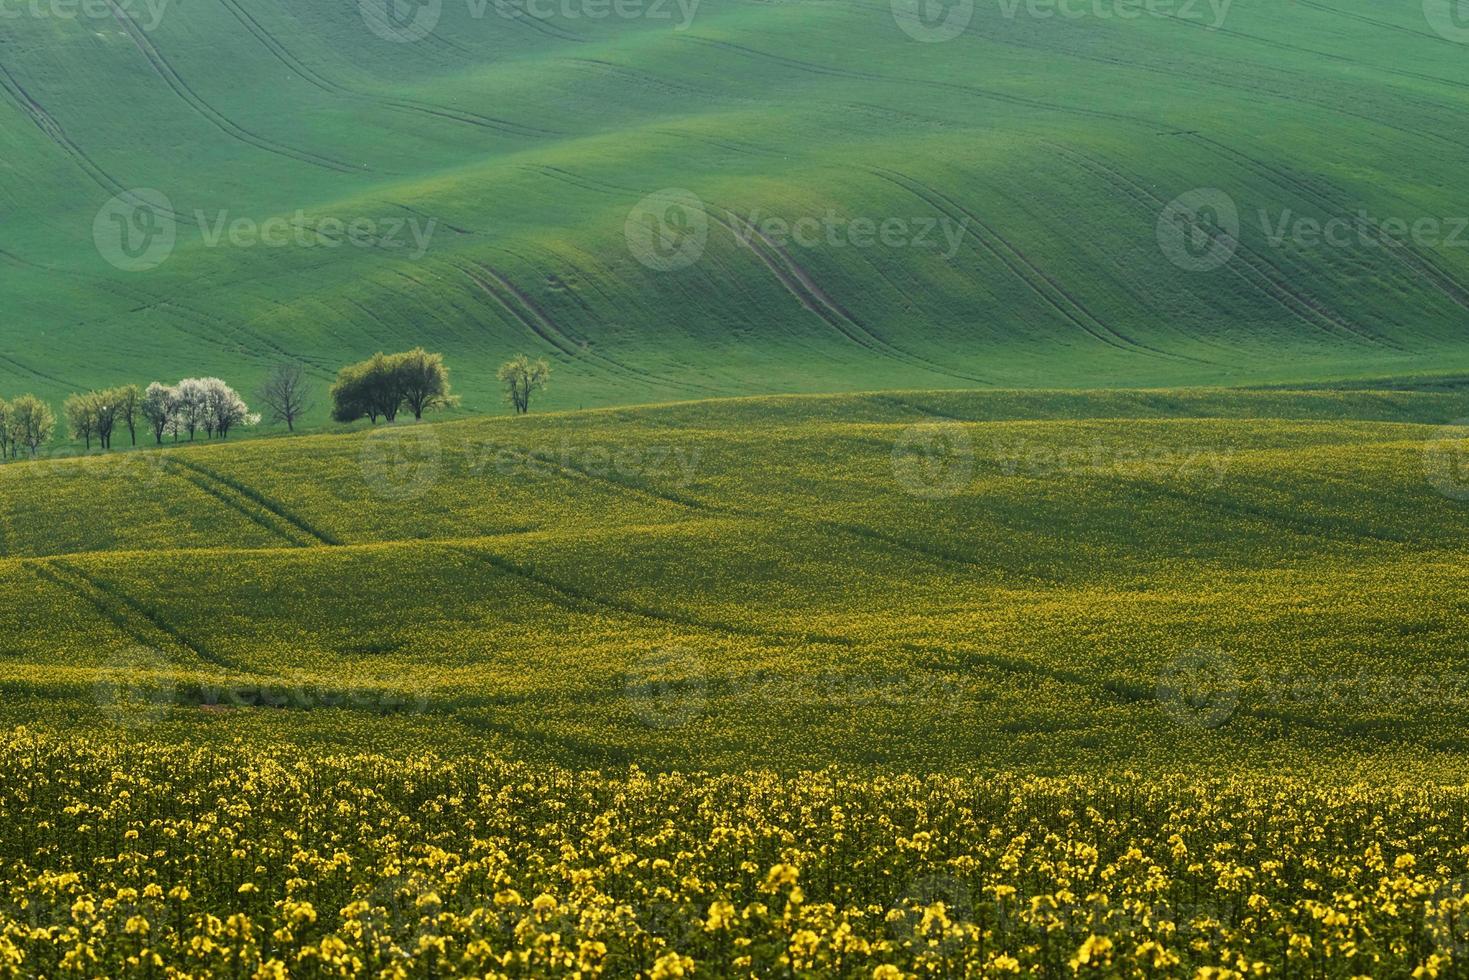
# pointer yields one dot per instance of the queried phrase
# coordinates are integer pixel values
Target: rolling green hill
(921, 581)
(1053, 140)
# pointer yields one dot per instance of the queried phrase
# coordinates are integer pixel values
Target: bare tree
(127, 400)
(284, 394)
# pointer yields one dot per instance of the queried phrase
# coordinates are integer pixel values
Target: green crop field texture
(999, 507)
(932, 684)
(863, 210)
(919, 581)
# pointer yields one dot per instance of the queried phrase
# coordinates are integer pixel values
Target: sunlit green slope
(1053, 143)
(917, 580)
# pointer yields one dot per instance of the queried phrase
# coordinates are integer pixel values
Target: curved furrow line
(1407, 255)
(298, 526)
(121, 609)
(1285, 46)
(791, 275)
(320, 81)
(1316, 5)
(541, 25)
(809, 294)
(47, 124)
(529, 314)
(214, 117)
(556, 260)
(1173, 72)
(1023, 269)
(1306, 309)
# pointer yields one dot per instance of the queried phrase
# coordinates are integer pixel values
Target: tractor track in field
(1406, 255)
(129, 615)
(24, 368)
(791, 275)
(48, 125)
(1173, 72)
(1275, 520)
(239, 497)
(529, 314)
(579, 600)
(1271, 281)
(213, 116)
(321, 82)
(809, 293)
(1297, 49)
(712, 510)
(1047, 289)
(1317, 5)
(540, 25)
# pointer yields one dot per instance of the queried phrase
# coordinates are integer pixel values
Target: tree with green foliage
(351, 399)
(523, 377)
(127, 401)
(379, 387)
(6, 446)
(81, 416)
(159, 408)
(31, 423)
(422, 380)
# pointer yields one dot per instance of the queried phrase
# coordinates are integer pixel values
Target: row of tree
(378, 388)
(187, 408)
(194, 405)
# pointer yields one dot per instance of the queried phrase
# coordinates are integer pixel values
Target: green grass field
(918, 581)
(1056, 141)
(1000, 507)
